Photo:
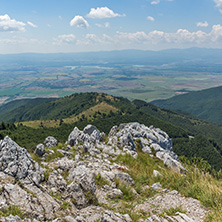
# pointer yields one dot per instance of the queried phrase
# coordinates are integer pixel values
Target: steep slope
(104, 111)
(18, 106)
(48, 109)
(205, 104)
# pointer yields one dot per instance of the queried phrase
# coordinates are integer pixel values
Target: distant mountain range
(205, 104)
(140, 57)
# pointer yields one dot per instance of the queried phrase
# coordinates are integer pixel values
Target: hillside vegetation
(191, 137)
(205, 104)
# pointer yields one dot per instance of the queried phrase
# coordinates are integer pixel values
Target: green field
(134, 82)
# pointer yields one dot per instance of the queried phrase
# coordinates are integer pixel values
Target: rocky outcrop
(73, 188)
(90, 134)
(172, 199)
(133, 136)
(16, 161)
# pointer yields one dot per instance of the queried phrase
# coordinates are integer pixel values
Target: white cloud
(31, 24)
(151, 18)
(181, 36)
(202, 24)
(103, 12)
(155, 2)
(216, 33)
(79, 21)
(219, 5)
(10, 25)
(64, 39)
(105, 25)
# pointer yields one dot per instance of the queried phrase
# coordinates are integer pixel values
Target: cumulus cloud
(64, 39)
(79, 21)
(219, 5)
(103, 12)
(151, 18)
(181, 36)
(10, 25)
(202, 24)
(155, 2)
(142, 39)
(31, 24)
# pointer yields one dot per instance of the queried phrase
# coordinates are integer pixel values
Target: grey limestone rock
(65, 163)
(57, 182)
(11, 218)
(77, 195)
(50, 142)
(40, 150)
(178, 217)
(84, 177)
(115, 193)
(170, 162)
(14, 160)
(109, 216)
(156, 173)
(156, 186)
(124, 178)
(69, 219)
(90, 134)
(149, 139)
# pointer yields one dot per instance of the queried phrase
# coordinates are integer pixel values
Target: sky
(50, 26)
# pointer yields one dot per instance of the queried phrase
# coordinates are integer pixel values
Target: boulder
(14, 160)
(170, 162)
(90, 134)
(156, 186)
(40, 150)
(50, 142)
(124, 178)
(74, 136)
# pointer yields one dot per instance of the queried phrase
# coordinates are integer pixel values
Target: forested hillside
(191, 137)
(205, 104)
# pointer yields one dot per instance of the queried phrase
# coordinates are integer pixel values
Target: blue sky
(94, 25)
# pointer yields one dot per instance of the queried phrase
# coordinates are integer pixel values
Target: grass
(195, 183)
(65, 205)
(172, 211)
(128, 194)
(12, 210)
(56, 154)
(102, 108)
(100, 181)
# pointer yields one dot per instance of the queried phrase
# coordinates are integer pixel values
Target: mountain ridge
(205, 104)
(116, 110)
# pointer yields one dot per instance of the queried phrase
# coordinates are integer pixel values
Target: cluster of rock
(49, 142)
(66, 189)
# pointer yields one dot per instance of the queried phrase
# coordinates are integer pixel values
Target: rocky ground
(82, 180)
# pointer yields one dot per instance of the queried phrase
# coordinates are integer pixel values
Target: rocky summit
(86, 179)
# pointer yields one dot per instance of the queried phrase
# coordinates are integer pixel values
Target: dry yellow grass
(102, 107)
